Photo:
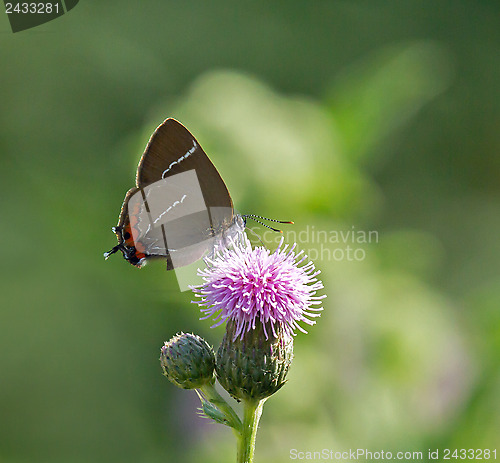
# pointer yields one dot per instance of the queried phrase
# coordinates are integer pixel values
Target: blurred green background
(340, 115)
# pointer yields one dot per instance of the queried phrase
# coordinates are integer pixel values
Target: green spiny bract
(253, 367)
(188, 361)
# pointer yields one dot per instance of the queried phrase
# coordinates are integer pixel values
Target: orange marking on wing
(140, 249)
(133, 216)
(134, 221)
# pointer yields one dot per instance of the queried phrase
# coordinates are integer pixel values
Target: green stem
(215, 398)
(252, 410)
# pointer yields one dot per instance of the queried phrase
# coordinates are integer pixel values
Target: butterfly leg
(112, 251)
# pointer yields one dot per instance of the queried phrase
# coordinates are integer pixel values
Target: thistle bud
(188, 361)
(255, 365)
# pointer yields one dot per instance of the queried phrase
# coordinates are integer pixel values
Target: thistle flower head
(188, 361)
(246, 285)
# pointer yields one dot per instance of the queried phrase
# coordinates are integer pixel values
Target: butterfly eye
(126, 236)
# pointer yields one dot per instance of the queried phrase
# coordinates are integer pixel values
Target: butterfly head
(127, 247)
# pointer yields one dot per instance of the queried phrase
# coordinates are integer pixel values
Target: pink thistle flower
(247, 285)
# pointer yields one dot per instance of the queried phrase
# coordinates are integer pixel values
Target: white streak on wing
(185, 156)
(170, 207)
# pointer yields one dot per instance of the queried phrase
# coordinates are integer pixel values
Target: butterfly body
(180, 209)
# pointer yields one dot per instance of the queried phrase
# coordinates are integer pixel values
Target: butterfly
(180, 208)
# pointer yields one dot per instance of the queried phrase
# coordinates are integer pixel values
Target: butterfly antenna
(255, 217)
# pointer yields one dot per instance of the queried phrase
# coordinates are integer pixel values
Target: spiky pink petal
(246, 285)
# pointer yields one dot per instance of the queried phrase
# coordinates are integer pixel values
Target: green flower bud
(188, 361)
(253, 367)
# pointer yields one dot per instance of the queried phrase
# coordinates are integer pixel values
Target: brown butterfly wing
(185, 235)
(172, 149)
(173, 218)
